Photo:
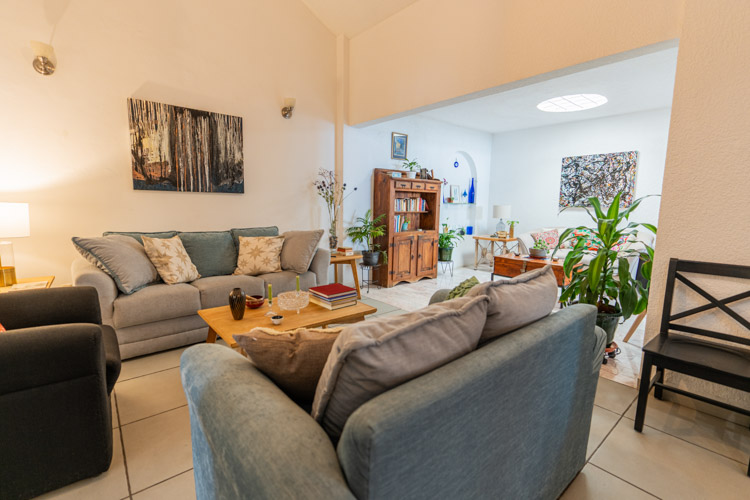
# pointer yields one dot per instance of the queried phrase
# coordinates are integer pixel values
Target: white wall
(526, 165)
(436, 145)
(65, 141)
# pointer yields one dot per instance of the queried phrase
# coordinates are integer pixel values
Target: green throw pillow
(463, 287)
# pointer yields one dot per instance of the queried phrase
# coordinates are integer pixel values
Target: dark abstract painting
(183, 149)
(602, 175)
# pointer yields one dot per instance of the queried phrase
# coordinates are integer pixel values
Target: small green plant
(368, 229)
(448, 239)
(411, 165)
(511, 224)
(540, 244)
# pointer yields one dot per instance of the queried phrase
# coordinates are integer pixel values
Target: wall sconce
(44, 58)
(289, 103)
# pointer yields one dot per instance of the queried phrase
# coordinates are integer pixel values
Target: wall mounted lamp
(289, 103)
(44, 58)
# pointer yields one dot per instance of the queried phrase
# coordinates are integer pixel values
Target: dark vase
(333, 242)
(608, 323)
(237, 303)
(370, 258)
(445, 254)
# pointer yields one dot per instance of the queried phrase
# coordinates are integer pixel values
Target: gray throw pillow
(299, 249)
(374, 356)
(518, 302)
(122, 257)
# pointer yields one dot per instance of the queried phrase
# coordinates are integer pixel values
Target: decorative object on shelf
(446, 244)
(288, 108)
(455, 193)
(606, 281)
(469, 230)
(445, 227)
(332, 193)
(183, 149)
(464, 196)
(412, 166)
(455, 163)
(398, 145)
(44, 61)
(511, 228)
(501, 212)
(472, 192)
(600, 176)
(425, 174)
(293, 301)
(368, 229)
(444, 188)
(405, 225)
(539, 250)
(14, 223)
(237, 303)
(254, 301)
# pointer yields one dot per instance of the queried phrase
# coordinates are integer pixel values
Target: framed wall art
(600, 175)
(398, 146)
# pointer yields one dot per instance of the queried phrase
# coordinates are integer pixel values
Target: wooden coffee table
(512, 265)
(220, 321)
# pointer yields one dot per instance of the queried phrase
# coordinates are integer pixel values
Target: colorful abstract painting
(183, 149)
(601, 175)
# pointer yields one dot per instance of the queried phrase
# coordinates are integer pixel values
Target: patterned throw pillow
(550, 237)
(259, 255)
(169, 257)
(590, 242)
(463, 288)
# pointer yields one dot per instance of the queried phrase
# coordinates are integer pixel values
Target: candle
(270, 293)
(298, 282)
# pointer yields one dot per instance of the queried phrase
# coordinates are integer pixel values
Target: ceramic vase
(237, 303)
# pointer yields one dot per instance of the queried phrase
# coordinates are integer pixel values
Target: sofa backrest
(510, 419)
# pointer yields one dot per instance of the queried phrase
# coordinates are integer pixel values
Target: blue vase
(472, 193)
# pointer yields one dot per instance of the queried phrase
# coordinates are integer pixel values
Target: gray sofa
(162, 316)
(508, 420)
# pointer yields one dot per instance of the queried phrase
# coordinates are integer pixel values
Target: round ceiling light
(574, 102)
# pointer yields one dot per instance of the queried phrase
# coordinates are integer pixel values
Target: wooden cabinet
(412, 250)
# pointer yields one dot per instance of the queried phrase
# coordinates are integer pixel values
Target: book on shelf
(411, 205)
(332, 291)
(332, 306)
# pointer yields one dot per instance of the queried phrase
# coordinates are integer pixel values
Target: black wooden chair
(726, 363)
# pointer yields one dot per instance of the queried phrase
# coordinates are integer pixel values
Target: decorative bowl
(276, 320)
(293, 301)
(254, 301)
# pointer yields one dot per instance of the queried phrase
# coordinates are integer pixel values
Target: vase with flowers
(332, 193)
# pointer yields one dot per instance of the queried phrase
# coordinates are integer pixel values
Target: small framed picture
(398, 146)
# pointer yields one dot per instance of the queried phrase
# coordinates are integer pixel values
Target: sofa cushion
(294, 360)
(373, 356)
(139, 236)
(517, 302)
(550, 237)
(299, 249)
(259, 255)
(122, 257)
(170, 259)
(155, 303)
(212, 252)
(252, 232)
(285, 281)
(214, 290)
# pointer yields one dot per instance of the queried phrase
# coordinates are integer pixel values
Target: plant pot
(445, 254)
(608, 323)
(370, 258)
(411, 175)
(537, 253)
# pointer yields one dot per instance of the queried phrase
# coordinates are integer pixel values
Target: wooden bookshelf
(412, 254)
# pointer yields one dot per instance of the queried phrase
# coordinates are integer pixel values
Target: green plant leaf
(614, 208)
(595, 271)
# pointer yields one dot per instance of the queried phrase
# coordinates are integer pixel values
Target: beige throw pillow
(170, 259)
(293, 360)
(259, 255)
(517, 302)
(373, 356)
(299, 249)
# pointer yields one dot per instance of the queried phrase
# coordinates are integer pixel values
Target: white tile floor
(681, 453)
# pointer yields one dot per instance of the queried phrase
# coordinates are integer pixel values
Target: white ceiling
(351, 17)
(637, 84)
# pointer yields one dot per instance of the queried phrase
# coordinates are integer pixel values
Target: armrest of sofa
(250, 439)
(440, 296)
(320, 264)
(86, 274)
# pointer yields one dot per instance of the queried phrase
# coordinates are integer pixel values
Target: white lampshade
(501, 211)
(14, 220)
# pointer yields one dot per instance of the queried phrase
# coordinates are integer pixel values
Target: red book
(332, 290)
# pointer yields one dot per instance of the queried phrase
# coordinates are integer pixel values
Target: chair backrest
(50, 306)
(676, 272)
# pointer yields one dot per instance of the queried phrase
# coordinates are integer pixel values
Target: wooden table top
(221, 321)
(493, 238)
(526, 258)
(337, 259)
(48, 279)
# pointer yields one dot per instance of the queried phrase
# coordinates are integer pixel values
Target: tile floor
(681, 453)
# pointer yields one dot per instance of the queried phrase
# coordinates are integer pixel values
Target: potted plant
(365, 233)
(606, 281)
(446, 243)
(539, 250)
(412, 166)
(511, 227)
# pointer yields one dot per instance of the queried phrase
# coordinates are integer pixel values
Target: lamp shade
(501, 211)
(14, 220)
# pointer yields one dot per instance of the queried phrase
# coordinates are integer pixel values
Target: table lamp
(14, 223)
(501, 212)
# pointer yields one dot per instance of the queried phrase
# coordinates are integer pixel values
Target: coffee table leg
(211, 339)
(356, 278)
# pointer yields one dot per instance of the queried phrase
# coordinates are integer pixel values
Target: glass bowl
(293, 301)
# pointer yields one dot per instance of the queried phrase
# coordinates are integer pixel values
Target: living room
(358, 75)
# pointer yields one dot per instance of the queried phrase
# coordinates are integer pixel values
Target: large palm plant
(606, 281)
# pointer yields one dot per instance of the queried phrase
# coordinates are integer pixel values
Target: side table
(43, 282)
(369, 281)
(337, 259)
(488, 251)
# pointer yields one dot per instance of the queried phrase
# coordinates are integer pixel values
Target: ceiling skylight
(574, 102)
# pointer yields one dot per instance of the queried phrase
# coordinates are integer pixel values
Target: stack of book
(333, 296)
(345, 251)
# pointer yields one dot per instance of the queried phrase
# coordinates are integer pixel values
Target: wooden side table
(337, 259)
(25, 281)
(490, 246)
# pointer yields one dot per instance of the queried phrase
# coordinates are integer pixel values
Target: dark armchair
(58, 365)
